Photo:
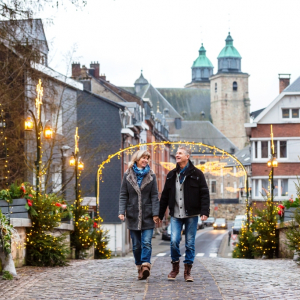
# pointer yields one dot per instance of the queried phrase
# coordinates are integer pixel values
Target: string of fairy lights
(206, 150)
(5, 148)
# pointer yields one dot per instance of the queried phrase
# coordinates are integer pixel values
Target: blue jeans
(190, 235)
(141, 245)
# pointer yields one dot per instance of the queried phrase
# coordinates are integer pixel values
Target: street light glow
(28, 124)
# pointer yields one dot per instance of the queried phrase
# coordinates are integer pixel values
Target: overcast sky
(163, 37)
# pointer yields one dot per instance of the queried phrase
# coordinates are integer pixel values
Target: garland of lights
(161, 145)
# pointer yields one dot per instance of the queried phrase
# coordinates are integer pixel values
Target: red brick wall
(282, 169)
(260, 205)
(279, 130)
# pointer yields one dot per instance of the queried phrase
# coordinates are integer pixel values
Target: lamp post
(36, 122)
(272, 163)
(75, 161)
(64, 154)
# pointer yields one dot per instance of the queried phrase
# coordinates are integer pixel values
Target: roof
(55, 75)
(294, 87)
(28, 30)
(189, 101)
(157, 99)
(255, 113)
(243, 155)
(111, 102)
(202, 132)
(229, 50)
(202, 61)
(141, 79)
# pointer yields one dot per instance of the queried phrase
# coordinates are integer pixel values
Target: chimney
(284, 81)
(96, 67)
(103, 76)
(83, 71)
(76, 70)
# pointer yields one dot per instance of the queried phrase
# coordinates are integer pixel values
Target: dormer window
(290, 113)
(234, 86)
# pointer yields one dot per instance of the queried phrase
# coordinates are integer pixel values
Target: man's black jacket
(196, 194)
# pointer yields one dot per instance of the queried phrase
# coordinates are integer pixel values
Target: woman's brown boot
(175, 270)
(187, 273)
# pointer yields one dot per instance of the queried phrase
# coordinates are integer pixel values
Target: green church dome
(202, 61)
(229, 50)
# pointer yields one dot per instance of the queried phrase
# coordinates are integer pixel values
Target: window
(234, 86)
(284, 187)
(56, 179)
(295, 113)
(265, 187)
(255, 150)
(262, 187)
(288, 113)
(216, 87)
(285, 113)
(264, 149)
(213, 187)
(282, 149)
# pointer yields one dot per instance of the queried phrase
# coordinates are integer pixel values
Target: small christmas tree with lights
(43, 247)
(101, 240)
(265, 226)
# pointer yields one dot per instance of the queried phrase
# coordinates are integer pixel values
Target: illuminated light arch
(165, 143)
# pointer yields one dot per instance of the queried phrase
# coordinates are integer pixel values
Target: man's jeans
(141, 245)
(190, 234)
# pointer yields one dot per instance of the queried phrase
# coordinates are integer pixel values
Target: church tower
(229, 96)
(202, 69)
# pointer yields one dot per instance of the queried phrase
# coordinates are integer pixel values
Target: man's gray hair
(187, 150)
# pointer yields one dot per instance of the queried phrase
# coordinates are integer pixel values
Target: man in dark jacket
(186, 193)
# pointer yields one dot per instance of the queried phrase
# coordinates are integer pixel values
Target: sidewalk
(215, 278)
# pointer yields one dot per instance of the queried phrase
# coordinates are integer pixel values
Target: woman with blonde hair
(139, 202)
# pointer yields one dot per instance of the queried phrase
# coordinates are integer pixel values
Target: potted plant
(16, 201)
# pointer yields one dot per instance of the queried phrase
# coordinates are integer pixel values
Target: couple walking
(186, 194)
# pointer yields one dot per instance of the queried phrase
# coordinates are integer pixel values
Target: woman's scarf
(140, 174)
(182, 173)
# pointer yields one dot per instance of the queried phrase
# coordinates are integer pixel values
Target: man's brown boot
(145, 270)
(139, 267)
(187, 273)
(175, 270)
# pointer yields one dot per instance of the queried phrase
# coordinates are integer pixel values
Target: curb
(223, 245)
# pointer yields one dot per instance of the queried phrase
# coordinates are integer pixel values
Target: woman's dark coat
(140, 204)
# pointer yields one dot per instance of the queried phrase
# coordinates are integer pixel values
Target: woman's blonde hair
(137, 156)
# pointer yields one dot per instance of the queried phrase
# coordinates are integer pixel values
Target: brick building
(284, 115)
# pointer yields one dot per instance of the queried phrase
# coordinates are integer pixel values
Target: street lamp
(75, 161)
(272, 163)
(37, 123)
(64, 154)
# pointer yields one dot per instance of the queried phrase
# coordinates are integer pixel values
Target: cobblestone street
(215, 278)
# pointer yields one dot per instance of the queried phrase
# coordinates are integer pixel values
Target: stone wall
(284, 251)
(227, 211)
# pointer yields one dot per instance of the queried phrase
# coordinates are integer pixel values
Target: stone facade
(230, 105)
(227, 211)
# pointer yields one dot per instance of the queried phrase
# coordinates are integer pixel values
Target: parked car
(209, 222)
(166, 233)
(200, 224)
(220, 223)
(237, 226)
(240, 217)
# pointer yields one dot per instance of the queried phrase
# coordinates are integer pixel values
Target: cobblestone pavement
(215, 278)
